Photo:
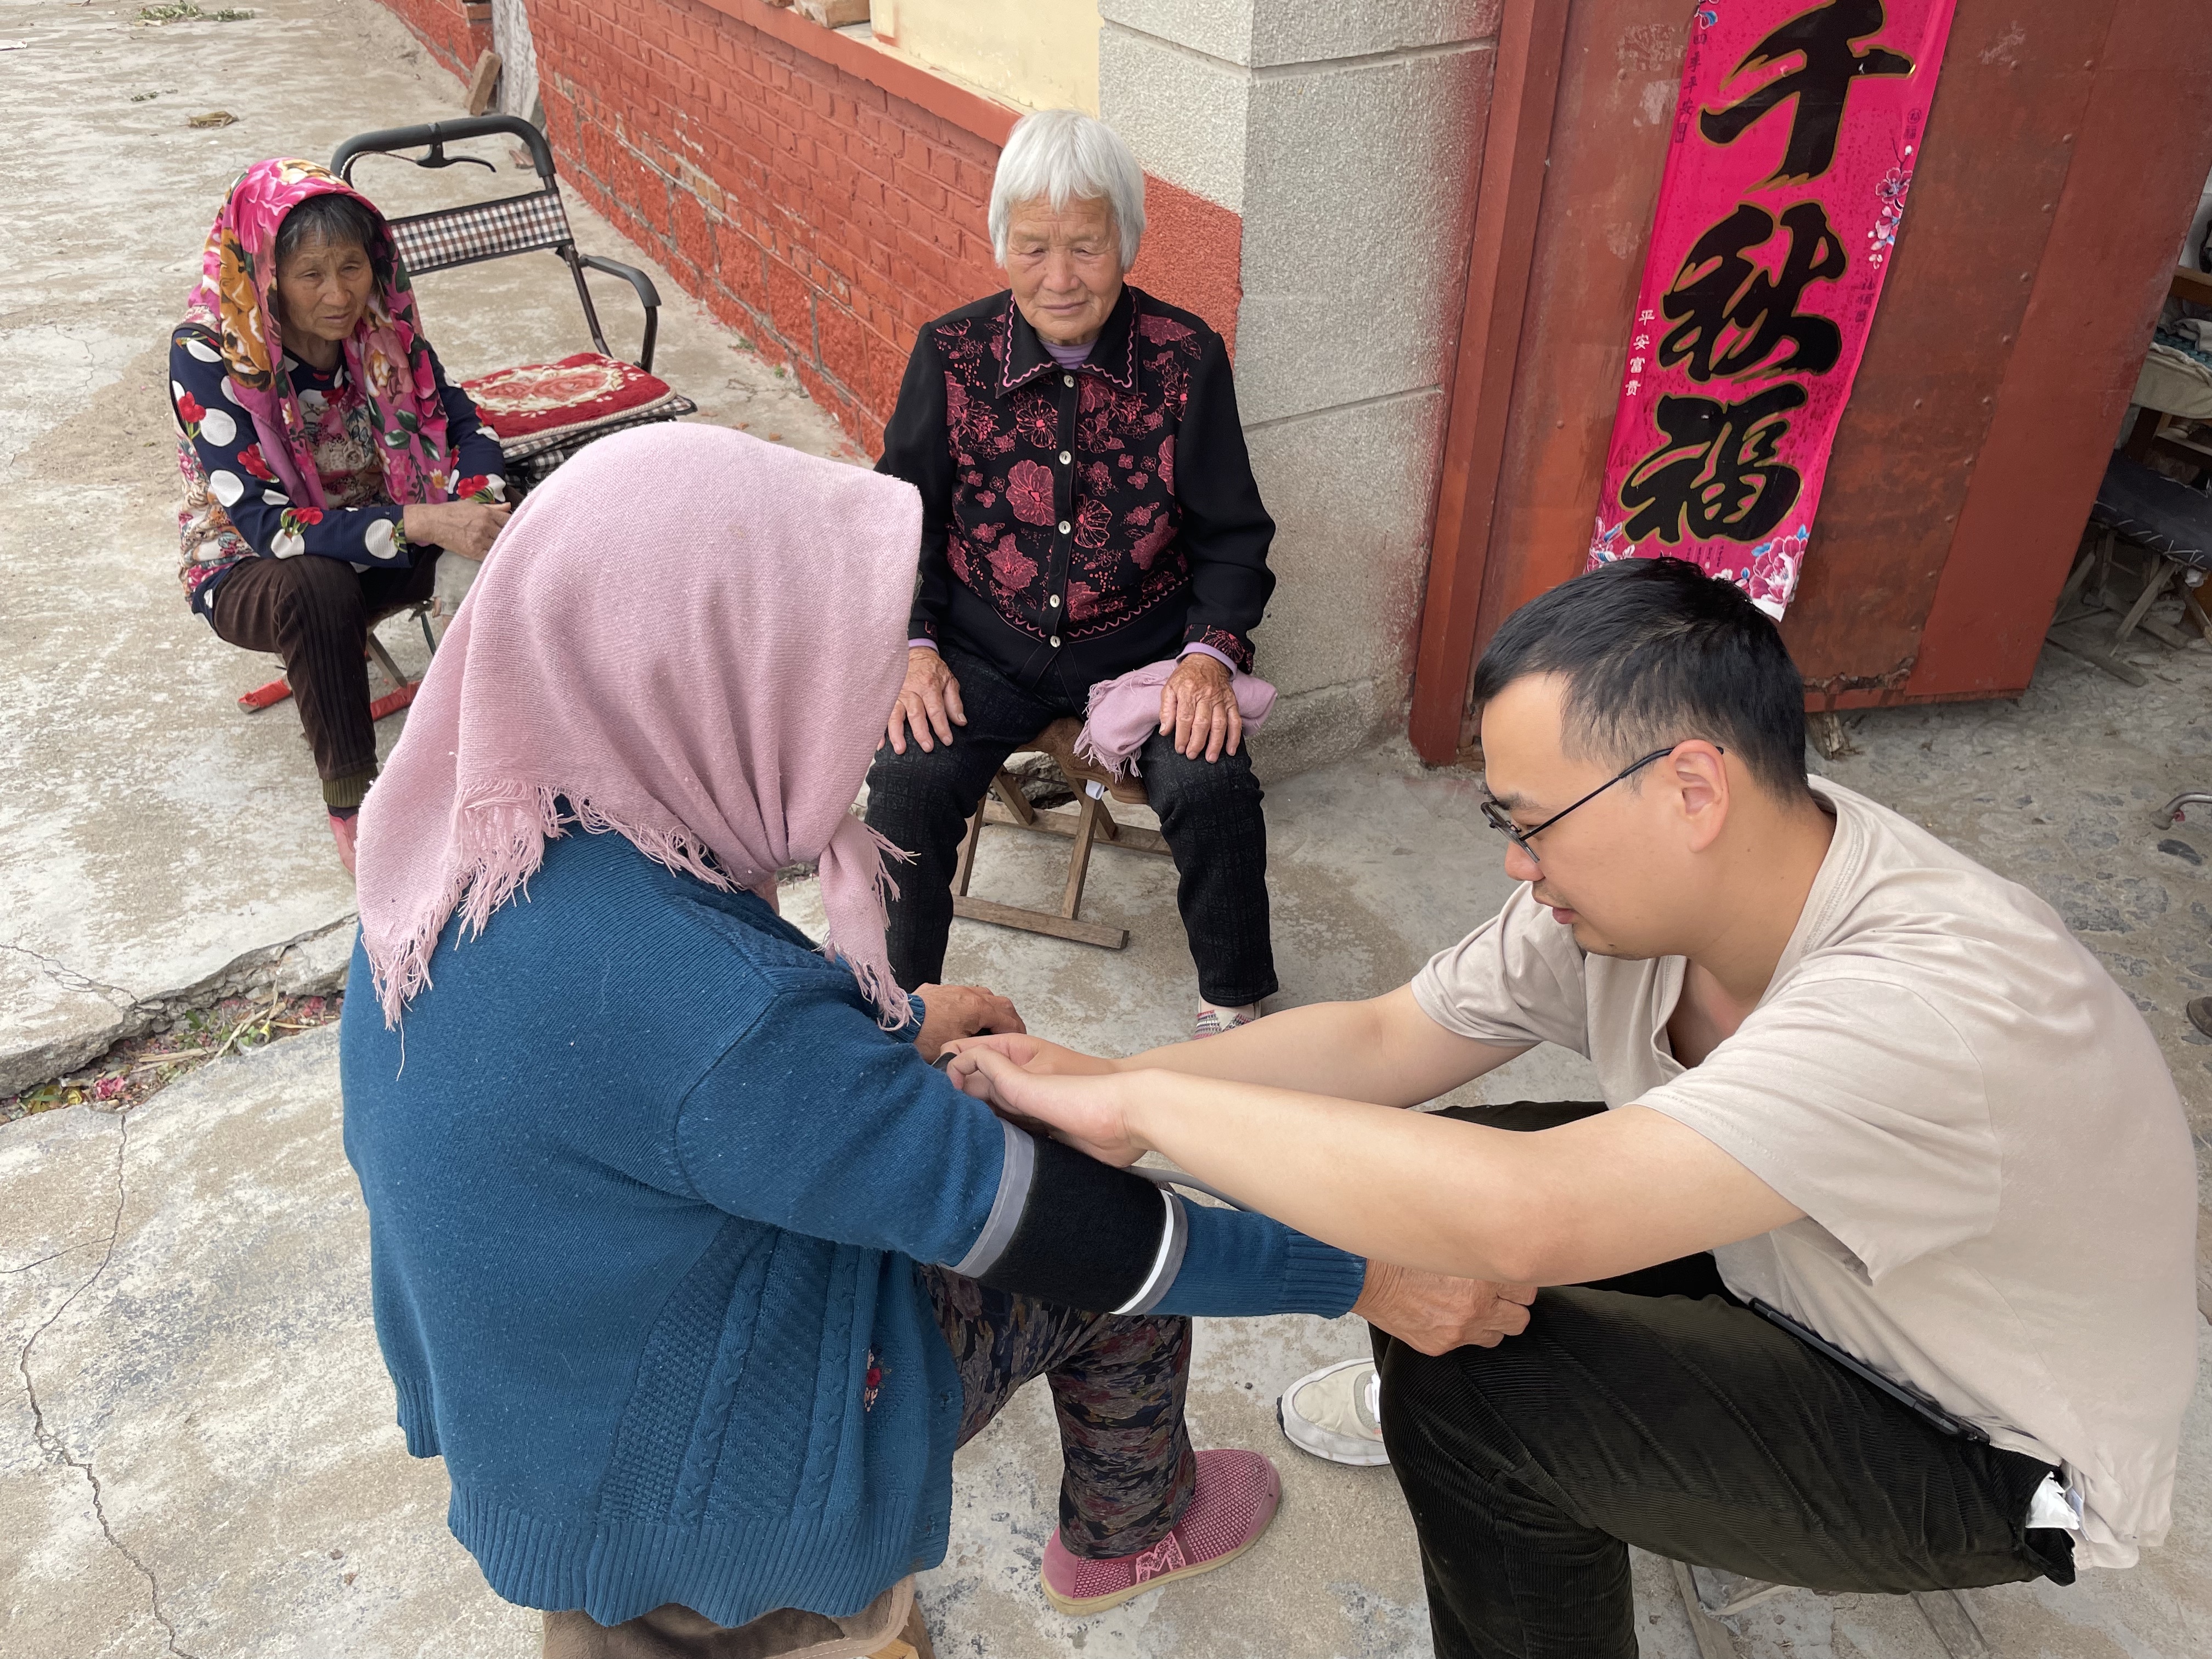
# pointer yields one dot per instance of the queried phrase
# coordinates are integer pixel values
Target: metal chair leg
(384, 659)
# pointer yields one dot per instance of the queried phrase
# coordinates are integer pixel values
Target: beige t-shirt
(1999, 1188)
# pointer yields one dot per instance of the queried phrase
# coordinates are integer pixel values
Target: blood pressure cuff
(1065, 1228)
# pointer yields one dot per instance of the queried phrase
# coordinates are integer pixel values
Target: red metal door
(2065, 151)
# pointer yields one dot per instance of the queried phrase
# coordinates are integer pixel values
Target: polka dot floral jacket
(235, 508)
(1087, 519)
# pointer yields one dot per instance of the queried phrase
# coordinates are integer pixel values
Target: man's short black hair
(1655, 652)
(332, 217)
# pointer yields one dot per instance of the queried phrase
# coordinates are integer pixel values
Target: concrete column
(1345, 136)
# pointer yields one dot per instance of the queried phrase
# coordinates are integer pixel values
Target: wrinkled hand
(1436, 1314)
(1198, 709)
(928, 702)
(1085, 1112)
(961, 1011)
(1032, 1053)
(464, 527)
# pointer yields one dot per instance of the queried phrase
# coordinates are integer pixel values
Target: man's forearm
(1397, 1186)
(1590, 1199)
(1384, 1049)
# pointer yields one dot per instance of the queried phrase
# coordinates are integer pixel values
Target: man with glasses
(1876, 1276)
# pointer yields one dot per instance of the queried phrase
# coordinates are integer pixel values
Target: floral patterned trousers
(1117, 1382)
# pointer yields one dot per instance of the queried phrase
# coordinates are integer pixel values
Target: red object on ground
(391, 702)
(264, 696)
(276, 690)
(535, 400)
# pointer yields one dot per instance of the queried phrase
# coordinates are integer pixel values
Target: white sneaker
(1336, 1412)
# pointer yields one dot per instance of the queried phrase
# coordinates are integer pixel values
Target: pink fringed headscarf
(694, 637)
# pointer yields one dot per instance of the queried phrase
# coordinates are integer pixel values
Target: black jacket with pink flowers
(1092, 519)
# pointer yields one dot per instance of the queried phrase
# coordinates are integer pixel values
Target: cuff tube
(1065, 1228)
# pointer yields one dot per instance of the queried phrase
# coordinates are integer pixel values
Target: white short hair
(1062, 154)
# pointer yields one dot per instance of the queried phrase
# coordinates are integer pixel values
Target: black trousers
(1657, 1411)
(1209, 814)
(314, 613)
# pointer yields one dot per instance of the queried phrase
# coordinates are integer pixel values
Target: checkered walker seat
(542, 413)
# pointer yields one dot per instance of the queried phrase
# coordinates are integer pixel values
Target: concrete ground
(197, 1454)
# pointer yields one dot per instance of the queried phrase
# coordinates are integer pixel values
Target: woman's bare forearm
(1384, 1049)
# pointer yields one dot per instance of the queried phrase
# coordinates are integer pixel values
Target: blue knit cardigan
(647, 1190)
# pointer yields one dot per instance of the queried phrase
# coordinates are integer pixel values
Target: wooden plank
(1008, 790)
(1061, 821)
(1040, 921)
(1711, 1636)
(482, 83)
(2194, 286)
(1953, 1621)
(1508, 181)
(2075, 641)
(965, 870)
(1079, 859)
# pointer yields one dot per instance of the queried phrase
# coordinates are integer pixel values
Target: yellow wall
(1041, 54)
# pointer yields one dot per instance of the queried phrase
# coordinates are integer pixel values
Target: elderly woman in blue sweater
(686, 1259)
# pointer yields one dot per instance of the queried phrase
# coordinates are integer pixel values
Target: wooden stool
(1087, 824)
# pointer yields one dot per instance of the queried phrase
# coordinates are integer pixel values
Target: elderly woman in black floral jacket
(1088, 509)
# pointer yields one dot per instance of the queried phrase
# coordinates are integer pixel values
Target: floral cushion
(540, 400)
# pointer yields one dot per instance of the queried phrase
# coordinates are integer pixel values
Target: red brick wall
(456, 31)
(820, 216)
(811, 210)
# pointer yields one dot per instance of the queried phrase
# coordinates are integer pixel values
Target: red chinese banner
(1793, 149)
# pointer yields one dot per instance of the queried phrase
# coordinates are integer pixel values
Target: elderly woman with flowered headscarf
(326, 461)
(1089, 515)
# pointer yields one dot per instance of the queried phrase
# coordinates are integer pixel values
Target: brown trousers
(314, 613)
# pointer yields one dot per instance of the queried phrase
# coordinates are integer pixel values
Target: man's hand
(1198, 709)
(960, 1011)
(1436, 1314)
(928, 702)
(464, 527)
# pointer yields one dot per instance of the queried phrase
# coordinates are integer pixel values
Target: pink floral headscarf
(694, 638)
(233, 307)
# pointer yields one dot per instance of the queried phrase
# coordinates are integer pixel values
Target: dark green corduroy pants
(1655, 1410)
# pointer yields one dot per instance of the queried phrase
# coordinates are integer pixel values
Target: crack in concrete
(253, 972)
(54, 1256)
(49, 1442)
(69, 980)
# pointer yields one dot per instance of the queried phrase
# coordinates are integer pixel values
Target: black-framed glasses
(1501, 821)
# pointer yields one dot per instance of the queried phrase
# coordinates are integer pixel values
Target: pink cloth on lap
(1122, 712)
